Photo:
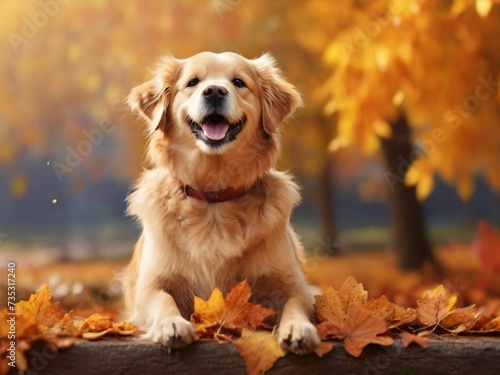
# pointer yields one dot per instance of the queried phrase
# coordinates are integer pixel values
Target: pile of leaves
(345, 314)
(41, 319)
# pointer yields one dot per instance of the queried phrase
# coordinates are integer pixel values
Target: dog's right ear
(152, 98)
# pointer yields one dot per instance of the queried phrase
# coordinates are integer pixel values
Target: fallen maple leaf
(361, 328)
(408, 338)
(348, 315)
(434, 306)
(97, 326)
(37, 303)
(333, 305)
(40, 319)
(460, 320)
(232, 312)
(259, 349)
(402, 316)
(380, 308)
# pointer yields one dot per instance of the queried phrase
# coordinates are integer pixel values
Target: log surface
(445, 355)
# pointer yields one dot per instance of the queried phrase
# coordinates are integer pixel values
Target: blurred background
(397, 149)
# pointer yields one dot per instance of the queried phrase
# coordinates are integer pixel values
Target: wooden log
(444, 355)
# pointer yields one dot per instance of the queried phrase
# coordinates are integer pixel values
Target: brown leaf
(460, 320)
(352, 293)
(95, 335)
(361, 329)
(259, 349)
(333, 305)
(434, 306)
(324, 348)
(329, 306)
(408, 338)
(492, 326)
(380, 308)
(402, 316)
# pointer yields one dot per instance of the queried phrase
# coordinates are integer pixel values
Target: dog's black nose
(214, 93)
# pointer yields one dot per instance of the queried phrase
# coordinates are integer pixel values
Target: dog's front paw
(298, 336)
(174, 332)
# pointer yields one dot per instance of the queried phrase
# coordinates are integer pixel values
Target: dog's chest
(211, 234)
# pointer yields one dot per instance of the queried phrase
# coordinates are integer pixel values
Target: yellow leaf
(18, 186)
(424, 187)
(37, 302)
(398, 98)
(421, 174)
(96, 323)
(483, 7)
(382, 128)
(212, 310)
(459, 6)
(465, 188)
(232, 312)
(95, 335)
(259, 349)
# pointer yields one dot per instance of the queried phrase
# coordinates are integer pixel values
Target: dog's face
(217, 96)
(211, 105)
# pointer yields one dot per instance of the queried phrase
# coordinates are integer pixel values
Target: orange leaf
(434, 306)
(408, 338)
(37, 302)
(232, 312)
(459, 320)
(362, 329)
(380, 308)
(96, 323)
(492, 326)
(402, 316)
(333, 305)
(324, 348)
(259, 349)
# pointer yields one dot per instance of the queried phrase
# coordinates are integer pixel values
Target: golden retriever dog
(214, 211)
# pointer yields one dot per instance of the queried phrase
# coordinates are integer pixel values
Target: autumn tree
(418, 80)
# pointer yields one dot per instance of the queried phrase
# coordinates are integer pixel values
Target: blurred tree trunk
(409, 235)
(326, 193)
(325, 203)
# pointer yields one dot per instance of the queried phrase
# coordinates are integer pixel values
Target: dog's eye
(193, 82)
(238, 83)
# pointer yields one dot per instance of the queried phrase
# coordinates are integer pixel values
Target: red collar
(214, 196)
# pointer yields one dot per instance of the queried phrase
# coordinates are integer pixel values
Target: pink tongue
(215, 132)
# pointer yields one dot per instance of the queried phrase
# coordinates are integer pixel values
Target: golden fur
(189, 246)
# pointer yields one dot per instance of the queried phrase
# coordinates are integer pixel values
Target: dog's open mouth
(215, 130)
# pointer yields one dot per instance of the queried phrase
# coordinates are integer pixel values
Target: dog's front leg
(158, 315)
(296, 333)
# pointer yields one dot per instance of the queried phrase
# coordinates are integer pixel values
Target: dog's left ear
(279, 98)
(152, 98)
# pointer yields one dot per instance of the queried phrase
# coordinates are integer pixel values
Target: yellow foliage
(18, 185)
(438, 63)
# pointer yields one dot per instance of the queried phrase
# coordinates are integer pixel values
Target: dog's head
(212, 108)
